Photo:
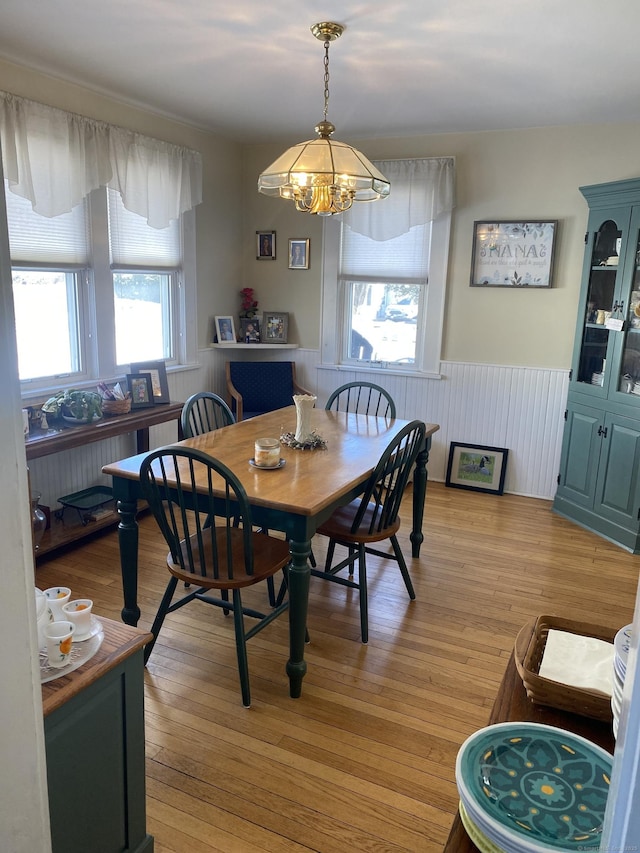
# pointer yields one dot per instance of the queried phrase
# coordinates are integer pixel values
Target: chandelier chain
(326, 78)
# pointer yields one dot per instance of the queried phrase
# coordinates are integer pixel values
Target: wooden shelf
(62, 533)
(253, 346)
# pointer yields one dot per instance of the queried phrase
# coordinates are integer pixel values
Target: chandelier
(324, 176)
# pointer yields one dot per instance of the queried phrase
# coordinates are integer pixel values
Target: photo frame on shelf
(250, 330)
(225, 330)
(513, 254)
(141, 389)
(299, 253)
(477, 467)
(275, 327)
(158, 372)
(265, 245)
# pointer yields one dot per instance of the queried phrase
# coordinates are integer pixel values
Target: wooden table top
(120, 641)
(309, 479)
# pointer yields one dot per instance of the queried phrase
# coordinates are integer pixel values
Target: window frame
(429, 333)
(96, 307)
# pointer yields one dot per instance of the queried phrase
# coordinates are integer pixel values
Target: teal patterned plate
(534, 787)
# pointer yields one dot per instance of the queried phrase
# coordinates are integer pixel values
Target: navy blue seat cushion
(263, 385)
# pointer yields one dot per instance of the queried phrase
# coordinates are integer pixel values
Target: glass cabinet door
(596, 346)
(628, 350)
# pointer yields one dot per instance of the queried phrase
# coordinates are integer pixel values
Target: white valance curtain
(421, 190)
(55, 158)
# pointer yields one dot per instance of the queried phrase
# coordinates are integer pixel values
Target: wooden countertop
(120, 641)
(511, 703)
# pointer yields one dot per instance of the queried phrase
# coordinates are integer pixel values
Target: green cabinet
(95, 765)
(599, 480)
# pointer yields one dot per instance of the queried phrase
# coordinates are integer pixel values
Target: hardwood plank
(364, 760)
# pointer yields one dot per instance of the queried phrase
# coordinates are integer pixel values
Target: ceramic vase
(304, 404)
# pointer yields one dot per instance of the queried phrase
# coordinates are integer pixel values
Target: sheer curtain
(55, 158)
(421, 190)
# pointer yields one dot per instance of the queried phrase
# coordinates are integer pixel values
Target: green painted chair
(365, 398)
(210, 558)
(203, 412)
(373, 518)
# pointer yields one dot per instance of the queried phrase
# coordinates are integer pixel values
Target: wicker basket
(528, 652)
(116, 407)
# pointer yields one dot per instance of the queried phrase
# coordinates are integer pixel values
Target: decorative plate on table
(80, 654)
(536, 787)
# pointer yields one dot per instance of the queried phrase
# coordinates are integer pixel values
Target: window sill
(385, 371)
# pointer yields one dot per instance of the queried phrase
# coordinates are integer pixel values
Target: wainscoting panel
(513, 407)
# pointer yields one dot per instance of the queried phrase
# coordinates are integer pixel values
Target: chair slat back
(382, 496)
(170, 478)
(365, 398)
(203, 412)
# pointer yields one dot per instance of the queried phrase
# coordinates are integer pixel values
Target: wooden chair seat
(340, 526)
(267, 552)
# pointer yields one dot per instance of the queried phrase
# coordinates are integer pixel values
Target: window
(385, 274)
(101, 276)
(96, 289)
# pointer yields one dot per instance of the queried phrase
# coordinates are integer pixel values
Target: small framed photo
(141, 388)
(225, 330)
(299, 254)
(513, 254)
(477, 467)
(250, 330)
(158, 372)
(265, 245)
(275, 327)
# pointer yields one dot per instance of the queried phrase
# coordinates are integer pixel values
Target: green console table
(94, 738)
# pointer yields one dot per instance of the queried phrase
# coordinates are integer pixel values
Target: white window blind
(135, 244)
(37, 239)
(404, 258)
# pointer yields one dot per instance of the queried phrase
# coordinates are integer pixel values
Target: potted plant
(75, 406)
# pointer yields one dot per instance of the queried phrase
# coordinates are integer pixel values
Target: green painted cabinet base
(599, 478)
(95, 766)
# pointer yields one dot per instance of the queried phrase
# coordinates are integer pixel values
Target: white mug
(59, 640)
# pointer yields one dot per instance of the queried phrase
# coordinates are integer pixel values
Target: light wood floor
(364, 760)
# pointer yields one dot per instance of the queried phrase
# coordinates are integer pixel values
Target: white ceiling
(252, 70)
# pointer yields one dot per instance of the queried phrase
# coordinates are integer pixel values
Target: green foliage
(82, 405)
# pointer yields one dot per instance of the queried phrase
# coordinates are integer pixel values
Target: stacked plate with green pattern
(530, 788)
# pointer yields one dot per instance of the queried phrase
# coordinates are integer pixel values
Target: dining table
(295, 498)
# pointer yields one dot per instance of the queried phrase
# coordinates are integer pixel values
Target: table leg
(299, 574)
(419, 495)
(128, 539)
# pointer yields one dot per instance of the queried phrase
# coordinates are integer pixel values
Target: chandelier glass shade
(324, 176)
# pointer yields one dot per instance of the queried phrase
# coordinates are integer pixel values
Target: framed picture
(225, 330)
(476, 467)
(250, 330)
(265, 245)
(275, 327)
(141, 388)
(158, 372)
(513, 254)
(299, 254)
